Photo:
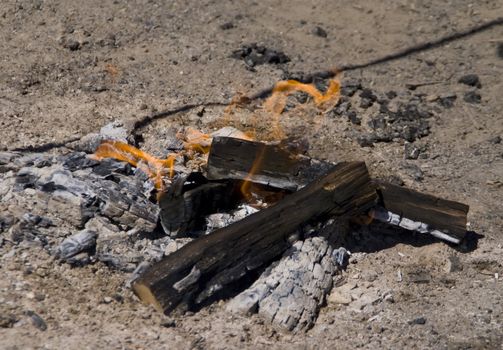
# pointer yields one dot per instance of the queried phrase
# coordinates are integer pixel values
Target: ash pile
(268, 238)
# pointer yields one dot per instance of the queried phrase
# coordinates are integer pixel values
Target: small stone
(168, 323)
(227, 26)
(107, 300)
(318, 31)
(470, 80)
(420, 320)
(72, 45)
(499, 50)
(411, 151)
(7, 321)
(36, 320)
(495, 140)
(472, 97)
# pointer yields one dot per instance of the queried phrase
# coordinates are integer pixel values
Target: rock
(79, 242)
(470, 80)
(499, 50)
(36, 320)
(227, 26)
(336, 297)
(7, 321)
(472, 97)
(495, 140)
(254, 55)
(72, 45)
(419, 320)
(411, 151)
(447, 100)
(318, 31)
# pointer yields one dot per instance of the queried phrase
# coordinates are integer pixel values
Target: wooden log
(183, 208)
(447, 217)
(206, 267)
(232, 158)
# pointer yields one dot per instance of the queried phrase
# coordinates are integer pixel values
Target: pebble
(72, 45)
(36, 320)
(318, 31)
(472, 97)
(470, 80)
(420, 320)
(107, 300)
(499, 50)
(411, 151)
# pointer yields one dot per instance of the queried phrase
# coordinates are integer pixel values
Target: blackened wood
(232, 158)
(184, 208)
(210, 264)
(447, 216)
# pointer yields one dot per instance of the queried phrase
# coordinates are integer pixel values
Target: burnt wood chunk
(272, 165)
(209, 266)
(447, 216)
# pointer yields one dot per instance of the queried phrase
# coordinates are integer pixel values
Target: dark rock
(227, 26)
(499, 50)
(318, 31)
(470, 80)
(420, 320)
(353, 118)
(72, 45)
(472, 97)
(32, 220)
(168, 322)
(7, 321)
(414, 171)
(495, 140)
(366, 103)
(411, 151)
(350, 88)
(368, 94)
(254, 55)
(36, 320)
(366, 140)
(447, 100)
(391, 94)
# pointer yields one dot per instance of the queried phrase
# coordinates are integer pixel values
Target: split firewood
(422, 212)
(257, 162)
(209, 266)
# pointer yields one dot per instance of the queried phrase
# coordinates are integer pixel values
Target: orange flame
(198, 142)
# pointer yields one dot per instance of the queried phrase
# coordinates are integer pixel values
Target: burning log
(232, 158)
(422, 212)
(210, 266)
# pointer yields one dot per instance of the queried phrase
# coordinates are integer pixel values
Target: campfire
(280, 190)
(240, 213)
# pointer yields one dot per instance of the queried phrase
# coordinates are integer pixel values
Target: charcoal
(71, 246)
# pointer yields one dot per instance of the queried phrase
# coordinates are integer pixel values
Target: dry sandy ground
(68, 67)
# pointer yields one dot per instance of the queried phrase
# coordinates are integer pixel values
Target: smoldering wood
(232, 158)
(445, 216)
(182, 208)
(227, 255)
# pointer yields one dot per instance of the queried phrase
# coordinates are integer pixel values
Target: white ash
(220, 220)
(290, 292)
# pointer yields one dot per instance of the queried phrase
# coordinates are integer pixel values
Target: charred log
(232, 158)
(422, 212)
(210, 264)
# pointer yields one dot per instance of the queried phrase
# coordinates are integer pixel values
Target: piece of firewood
(205, 268)
(279, 167)
(444, 219)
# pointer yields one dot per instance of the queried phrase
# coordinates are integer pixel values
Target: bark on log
(209, 265)
(445, 216)
(231, 158)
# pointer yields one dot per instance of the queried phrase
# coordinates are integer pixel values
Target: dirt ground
(67, 68)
